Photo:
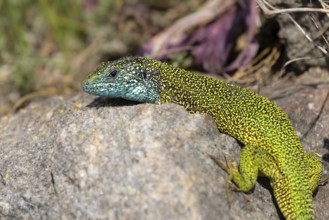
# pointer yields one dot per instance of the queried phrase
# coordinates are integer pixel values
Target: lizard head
(132, 78)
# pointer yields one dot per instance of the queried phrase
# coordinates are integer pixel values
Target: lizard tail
(294, 204)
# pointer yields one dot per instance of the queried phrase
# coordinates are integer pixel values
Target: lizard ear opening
(148, 75)
(154, 72)
(144, 75)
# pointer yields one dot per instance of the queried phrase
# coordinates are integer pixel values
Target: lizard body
(272, 147)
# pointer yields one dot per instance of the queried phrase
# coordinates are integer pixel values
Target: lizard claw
(220, 163)
(229, 169)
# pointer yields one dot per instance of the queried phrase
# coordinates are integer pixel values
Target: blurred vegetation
(45, 35)
(49, 46)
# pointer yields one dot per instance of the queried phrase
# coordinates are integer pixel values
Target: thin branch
(268, 9)
(271, 10)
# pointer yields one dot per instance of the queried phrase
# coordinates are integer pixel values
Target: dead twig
(268, 9)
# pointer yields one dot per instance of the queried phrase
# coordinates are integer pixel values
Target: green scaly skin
(272, 147)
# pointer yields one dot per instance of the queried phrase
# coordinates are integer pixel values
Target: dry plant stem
(41, 93)
(294, 60)
(304, 33)
(324, 5)
(259, 67)
(320, 30)
(264, 5)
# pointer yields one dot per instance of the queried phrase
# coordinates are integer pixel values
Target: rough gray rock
(81, 158)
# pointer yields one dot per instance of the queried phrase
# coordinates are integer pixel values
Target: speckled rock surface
(87, 158)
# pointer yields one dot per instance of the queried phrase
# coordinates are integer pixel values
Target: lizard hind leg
(245, 176)
(253, 161)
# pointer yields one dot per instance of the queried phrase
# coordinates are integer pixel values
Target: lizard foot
(229, 169)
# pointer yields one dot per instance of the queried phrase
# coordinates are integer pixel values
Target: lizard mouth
(86, 86)
(91, 88)
(98, 89)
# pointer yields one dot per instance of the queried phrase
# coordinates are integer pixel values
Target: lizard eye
(113, 73)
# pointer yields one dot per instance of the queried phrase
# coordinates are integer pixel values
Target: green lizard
(272, 147)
